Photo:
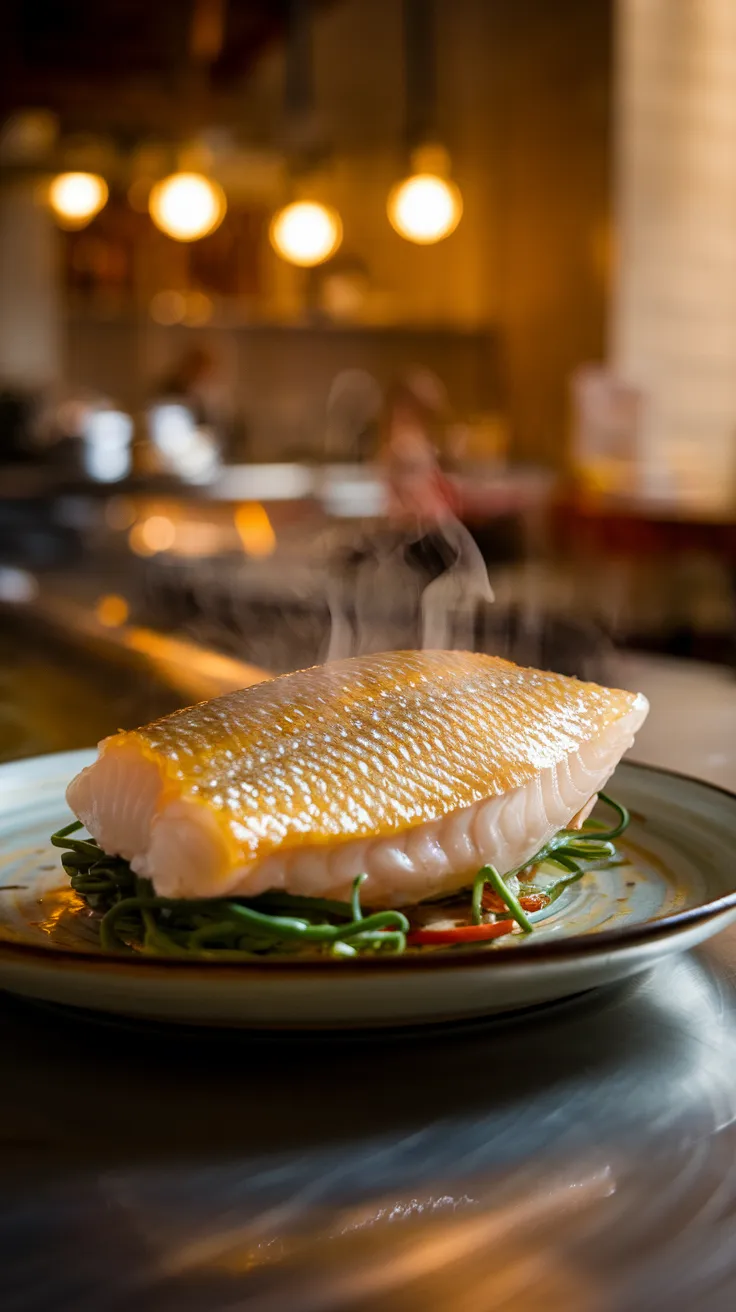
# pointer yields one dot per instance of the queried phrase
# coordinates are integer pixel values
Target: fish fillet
(414, 768)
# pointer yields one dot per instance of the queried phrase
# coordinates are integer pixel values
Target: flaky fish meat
(413, 768)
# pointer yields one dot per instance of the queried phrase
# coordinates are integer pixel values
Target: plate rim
(562, 949)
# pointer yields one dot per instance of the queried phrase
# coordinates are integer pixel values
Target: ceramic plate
(677, 887)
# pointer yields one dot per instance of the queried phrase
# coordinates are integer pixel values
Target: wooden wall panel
(552, 78)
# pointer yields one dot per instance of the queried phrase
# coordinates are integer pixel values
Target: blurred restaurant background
(331, 325)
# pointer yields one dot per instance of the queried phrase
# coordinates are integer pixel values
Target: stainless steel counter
(581, 1157)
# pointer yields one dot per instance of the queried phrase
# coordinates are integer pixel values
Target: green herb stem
(489, 875)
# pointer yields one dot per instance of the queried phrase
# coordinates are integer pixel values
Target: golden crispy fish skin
(360, 749)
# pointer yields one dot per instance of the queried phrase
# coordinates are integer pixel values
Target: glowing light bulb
(187, 206)
(425, 208)
(306, 233)
(75, 198)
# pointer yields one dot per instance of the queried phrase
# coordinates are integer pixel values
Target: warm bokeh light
(255, 529)
(187, 206)
(196, 672)
(149, 536)
(425, 208)
(75, 198)
(137, 541)
(167, 307)
(306, 233)
(112, 611)
(199, 538)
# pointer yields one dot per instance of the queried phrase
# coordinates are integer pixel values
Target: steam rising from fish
(415, 768)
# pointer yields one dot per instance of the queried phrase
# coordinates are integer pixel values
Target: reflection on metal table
(579, 1158)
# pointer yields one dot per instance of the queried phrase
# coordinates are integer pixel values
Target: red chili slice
(530, 901)
(533, 901)
(461, 934)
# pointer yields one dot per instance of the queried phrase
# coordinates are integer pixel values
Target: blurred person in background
(187, 420)
(193, 381)
(411, 441)
(417, 579)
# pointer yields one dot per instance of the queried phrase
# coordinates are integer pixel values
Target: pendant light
(75, 198)
(426, 206)
(304, 232)
(187, 206)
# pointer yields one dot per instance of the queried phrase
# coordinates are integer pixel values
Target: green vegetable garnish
(132, 916)
(489, 875)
